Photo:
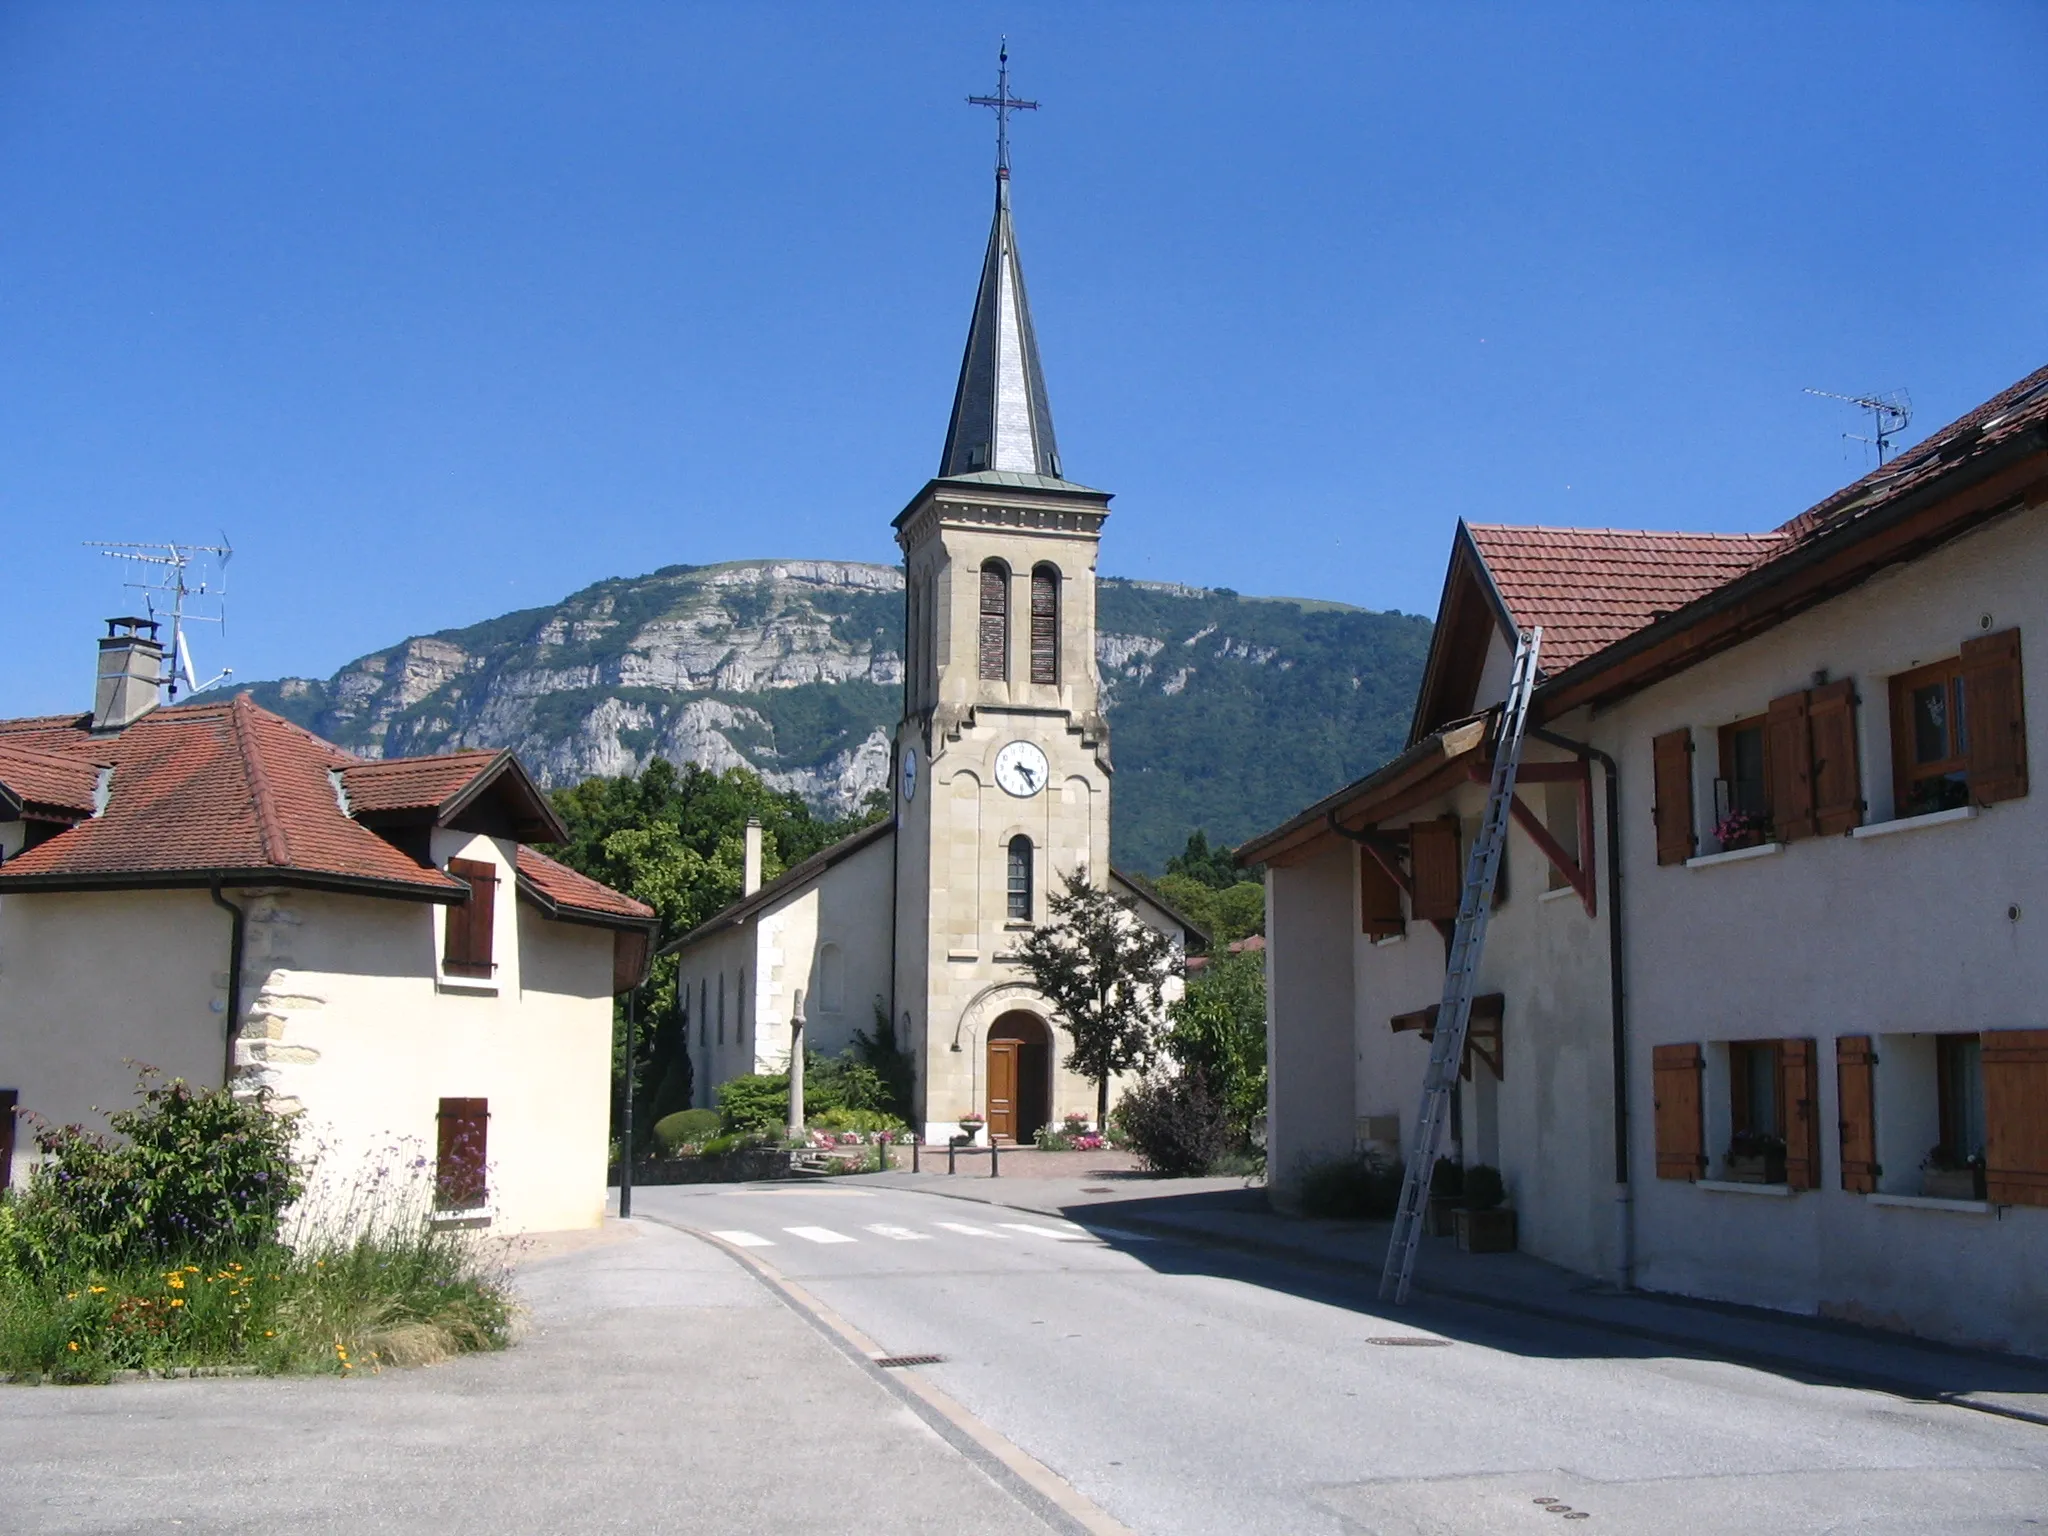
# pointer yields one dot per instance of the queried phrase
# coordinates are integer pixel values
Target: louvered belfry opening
(995, 622)
(1045, 625)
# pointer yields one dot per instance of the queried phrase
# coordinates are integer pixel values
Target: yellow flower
(191, 1269)
(97, 1290)
(74, 1346)
(177, 1303)
(270, 1333)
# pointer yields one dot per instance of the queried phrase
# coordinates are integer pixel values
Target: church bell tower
(1002, 753)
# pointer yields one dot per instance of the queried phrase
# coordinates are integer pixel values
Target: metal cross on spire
(1004, 104)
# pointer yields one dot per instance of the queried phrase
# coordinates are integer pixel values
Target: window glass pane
(1930, 723)
(1020, 878)
(1962, 718)
(1746, 754)
(1965, 1080)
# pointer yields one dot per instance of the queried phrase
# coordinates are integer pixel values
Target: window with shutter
(1799, 1096)
(1788, 750)
(1837, 774)
(10, 1099)
(1681, 1128)
(995, 622)
(461, 1153)
(2015, 1068)
(470, 924)
(1045, 625)
(1433, 855)
(1379, 899)
(1856, 1105)
(1930, 761)
(1995, 718)
(1671, 759)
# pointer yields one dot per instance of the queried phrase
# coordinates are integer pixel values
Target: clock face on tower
(1020, 769)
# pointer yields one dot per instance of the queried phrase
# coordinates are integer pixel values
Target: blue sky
(441, 310)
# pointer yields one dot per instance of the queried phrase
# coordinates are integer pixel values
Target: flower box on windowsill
(1487, 1231)
(1754, 1168)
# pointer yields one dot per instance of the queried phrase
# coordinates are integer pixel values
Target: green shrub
(1447, 1179)
(894, 1066)
(685, 1128)
(757, 1102)
(1361, 1185)
(1174, 1124)
(1483, 1187)
(866, 1121)
(197, 1172)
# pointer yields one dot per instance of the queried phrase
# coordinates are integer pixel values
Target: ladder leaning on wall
(1468, 942)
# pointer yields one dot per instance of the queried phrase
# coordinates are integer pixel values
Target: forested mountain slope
(1226, 713)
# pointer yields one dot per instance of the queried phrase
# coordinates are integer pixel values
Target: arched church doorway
(1019, 1077)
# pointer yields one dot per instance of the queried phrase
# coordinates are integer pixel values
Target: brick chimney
(131, 675)
(750, 882)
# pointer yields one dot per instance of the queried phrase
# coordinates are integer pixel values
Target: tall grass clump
(183, 1242)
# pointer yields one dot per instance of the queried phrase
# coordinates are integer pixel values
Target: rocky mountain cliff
(1228, 713)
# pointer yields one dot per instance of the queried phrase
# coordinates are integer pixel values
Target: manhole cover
(897, 1362)
(1411, 1341)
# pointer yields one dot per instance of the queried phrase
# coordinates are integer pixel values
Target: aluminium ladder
(1475, 903)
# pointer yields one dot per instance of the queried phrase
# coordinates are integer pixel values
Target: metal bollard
(952, 1146)
(995, 1159)
(916, 1151)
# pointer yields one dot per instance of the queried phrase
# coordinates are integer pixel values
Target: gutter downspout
(238, 918)
(1624, 1186)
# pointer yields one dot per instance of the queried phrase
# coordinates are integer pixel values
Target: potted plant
(1485, 1223)
(970, 1126)
(1742, 829)
(1446, 1194)
(1755, 1157)
(1945, 1176)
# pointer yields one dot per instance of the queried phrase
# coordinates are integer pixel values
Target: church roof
(1002, 419)
(791, 880)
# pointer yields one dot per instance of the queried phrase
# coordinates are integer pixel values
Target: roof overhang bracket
(1578, 874)
(1386, 849)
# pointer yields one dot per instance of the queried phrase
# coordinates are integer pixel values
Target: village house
(1761, 1009)
(214, 892)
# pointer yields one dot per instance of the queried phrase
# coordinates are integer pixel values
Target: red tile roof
(556, 885)
(411, 783)
(47, 780)
(234, 790)
(1589, 587)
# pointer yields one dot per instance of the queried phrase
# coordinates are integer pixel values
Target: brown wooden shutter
(629, 958)
(1681, 1128)
(995, 623)
(1433, 854)
(1045, 626)
(2016, 1116)
(461, 1154)
(1837, 776)
(1856, 1096)
(470, 924)
(1671, 758)
(1995, 714)
(1788, 766)
(1379, 899)
(10, 1098)
(1799, 1092)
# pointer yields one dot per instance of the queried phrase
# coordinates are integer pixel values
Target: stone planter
(1443, 1215)
(1487, 1231)
(1757, 1168)
(1951, 1184)
(970, 1131)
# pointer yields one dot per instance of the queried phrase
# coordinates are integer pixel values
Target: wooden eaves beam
(1578, 876)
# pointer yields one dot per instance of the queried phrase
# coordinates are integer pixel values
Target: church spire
(1002, 419)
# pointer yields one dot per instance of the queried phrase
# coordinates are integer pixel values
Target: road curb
(1027, 1479)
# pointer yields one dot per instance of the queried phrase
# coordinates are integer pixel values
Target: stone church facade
(1001, 774)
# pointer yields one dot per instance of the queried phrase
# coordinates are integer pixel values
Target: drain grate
(1412, 1341)
(897, 1362)
(1097, 1189)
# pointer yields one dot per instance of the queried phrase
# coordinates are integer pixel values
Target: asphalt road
(1186, 1390)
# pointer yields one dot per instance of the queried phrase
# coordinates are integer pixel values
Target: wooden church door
(1002, 1089)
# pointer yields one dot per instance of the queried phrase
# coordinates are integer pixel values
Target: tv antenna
(171, 584)
(1889, 413)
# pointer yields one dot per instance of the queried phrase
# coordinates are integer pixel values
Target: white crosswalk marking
(745, 1239)
(965, 1230)
(818, 1234)
(900, 1234)
(1071, 1235)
